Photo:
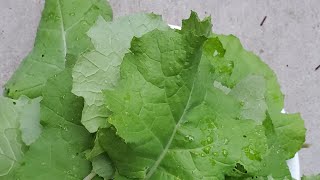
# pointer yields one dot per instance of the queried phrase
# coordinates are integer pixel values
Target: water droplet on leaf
(251, 153)
(50, 16)
(206, 149)
(264, 164)
(225, 153)
(189, 138)
(241, 103)
(215, 53)
(212, 125)
(67, 172)
(226, 141)
(56, 18)
(84, 22)
(231, 64)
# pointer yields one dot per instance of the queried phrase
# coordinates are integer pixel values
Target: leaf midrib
(63, 32)
(164, 152)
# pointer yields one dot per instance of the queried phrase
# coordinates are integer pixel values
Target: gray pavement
(288, 41)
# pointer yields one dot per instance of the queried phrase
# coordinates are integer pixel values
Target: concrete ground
(288, 41)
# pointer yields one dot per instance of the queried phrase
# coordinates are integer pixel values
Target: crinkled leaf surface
(170, 122)
(192, 25)
(58, 153)
(236, 64)
(62, 31)
(19, 123)
(286, 133)
(165, 109)
(99, 69)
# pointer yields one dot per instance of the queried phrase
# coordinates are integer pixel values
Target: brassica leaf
(59, 152)
(170, 121)
(286, 133)
(165, 111)
(102, 166)
(19, 126)
(99, 69)
(62, 31)
(166, 104)
(29, 112)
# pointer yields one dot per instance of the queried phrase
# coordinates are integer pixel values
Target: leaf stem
(90, 176)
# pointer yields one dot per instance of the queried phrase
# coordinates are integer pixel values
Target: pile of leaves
(131, 98)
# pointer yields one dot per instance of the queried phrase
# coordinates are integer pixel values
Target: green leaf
(59, 106)
(195, 25)
(11, 144)
(29, 111)
(101, 163)
(95, 151)
(99, 69)
(59, 152)
(169, 115)
(236, 63)
(61, 31)
(250, 92)
(285, 133)
(102, 166)
(171, 121)
(290, 132)
(19, 123)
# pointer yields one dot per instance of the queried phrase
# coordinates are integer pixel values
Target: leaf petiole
(90, 176)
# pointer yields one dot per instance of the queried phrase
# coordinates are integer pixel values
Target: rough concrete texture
(288, 41)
